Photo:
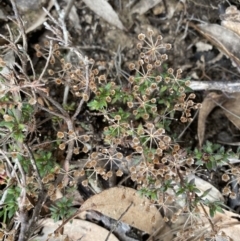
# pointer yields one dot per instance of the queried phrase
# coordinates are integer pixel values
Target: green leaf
(205, 193)
(9, 125)
(97, 105)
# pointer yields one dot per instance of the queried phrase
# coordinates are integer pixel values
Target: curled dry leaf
(74, 230)
(202, 185)
(143, 6)
(223, 38)
(231, 19)
(230, 107)
(35, 18)
(105, 10)
(127, 205)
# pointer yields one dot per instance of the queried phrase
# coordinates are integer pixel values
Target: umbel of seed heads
(152, 50)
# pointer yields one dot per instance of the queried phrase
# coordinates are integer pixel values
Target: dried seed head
(145, 116)
(68, 66)
(158, 78)
(164, 57)
(166, 219)
(154, 109)
(160, 131)
(226, 191)
(62, 146)
(108, 99)
(38, 54)
(170, 71)
(37, 47)
(181, 89)
(119, 173)
(109, 174)
(85, 183)
(139, 149)
(168, 46)
(117, 117)
(85, 97)
(167, 139)
(46, 43)
(51, 72)
(146, 59)
(233, 195)
(135, 112)
(58, 81)
(176, 147)
(190, 161)
(102, 78)
(179, 71)
(119, 156)
(76, 150)
(131, 79)
(85, 149)
(149, 67)
(167, 80)
(159, 152)
(183, 119)
(139, 46)
(78, 94)
(164, 160)
(187, 83)
(131, 66)
(130, 104)
(56, 46)
(142, 56)
(192, 96)
(141, 36)
(153, 100)
(52, 60)
(136, 87)
(157, 63)
(57, 53)
(225, 177)
(150, 32)
(60, 135)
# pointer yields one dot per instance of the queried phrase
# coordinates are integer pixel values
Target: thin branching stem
(22, 30)
(48, 60)
(34, 165)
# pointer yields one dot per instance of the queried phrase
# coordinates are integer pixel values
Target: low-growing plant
(136, 137)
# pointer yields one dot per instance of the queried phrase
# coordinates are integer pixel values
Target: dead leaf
(105, 10)
(208, 104)
(230, 107)
(231, 19)
(114, 202)
(34, 19)
(143, 6)
(202, 186)
(74, 230)
(223, 38)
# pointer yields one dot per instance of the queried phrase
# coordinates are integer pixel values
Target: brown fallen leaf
(231, 19)
(229, 103)
(74, 230)
(105, 10)
(143, 6)
(223, 38)
(127, 205)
